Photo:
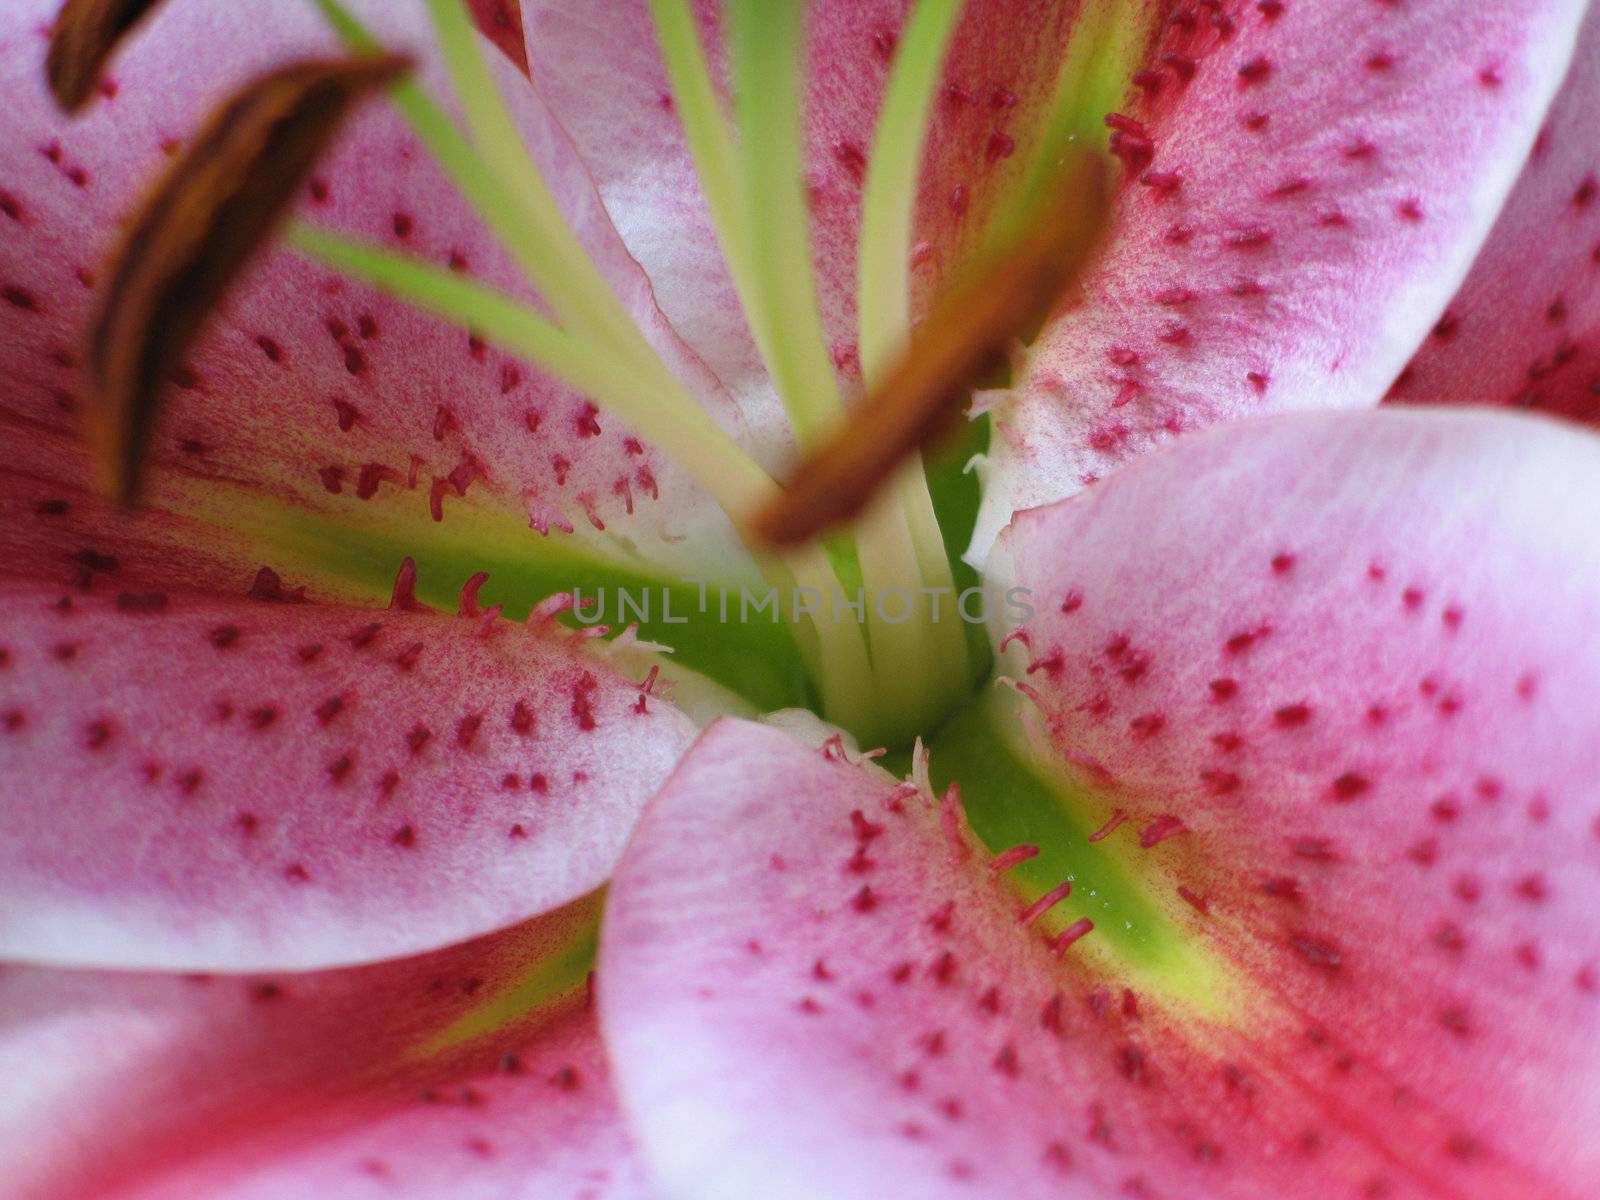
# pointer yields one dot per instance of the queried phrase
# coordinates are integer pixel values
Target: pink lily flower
(1264, 872)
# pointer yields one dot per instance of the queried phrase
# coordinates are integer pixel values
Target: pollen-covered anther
(197, 231)
(85, 35)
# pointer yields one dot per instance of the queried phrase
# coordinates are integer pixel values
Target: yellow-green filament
(505, 188)
(884, 286)
(716, 157)
(768, 59)
(676, 425)
(889, 191)
(1091, 81)
(914, 672)
(581, 297)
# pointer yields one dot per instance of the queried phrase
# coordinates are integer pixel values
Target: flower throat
(855, 524)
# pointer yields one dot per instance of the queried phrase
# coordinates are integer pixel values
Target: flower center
(888, 624)
(875, 604)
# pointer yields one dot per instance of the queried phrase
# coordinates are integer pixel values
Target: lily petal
(330, 1084)
(1521, 331)
(1308, 186)
(199, 784)
(309, 390)
(855, 1007)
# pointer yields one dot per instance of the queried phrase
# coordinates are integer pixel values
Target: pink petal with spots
(1522, 330)
(1306, 186)
(311, 1086)
(198, 783)
(599, 67)
(308, 389)
(812, 989)
(1355, 656)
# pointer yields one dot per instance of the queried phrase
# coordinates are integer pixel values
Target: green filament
(883, 278)
(711, 145)
(678, 426)
(1091, 81)
(682, 431)
(504, 187)
(919, 666)
(889, 193)
(768, 56)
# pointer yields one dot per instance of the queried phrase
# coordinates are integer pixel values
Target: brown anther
(967, 334)
(85, 35)
(196, 232)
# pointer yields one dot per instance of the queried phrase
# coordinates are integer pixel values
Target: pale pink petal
(1307, 186)
(599, 67)
(1522, 329)
(205, 783)
(811, 988)
(313, 1086)
(310, 390)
